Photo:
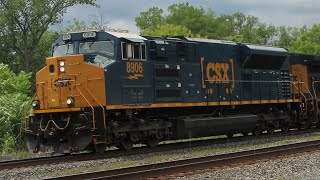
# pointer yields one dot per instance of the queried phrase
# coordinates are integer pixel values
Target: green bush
(14, 101)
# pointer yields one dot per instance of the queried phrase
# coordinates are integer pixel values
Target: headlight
(62, 69)
(70, 101)
(35, 103)
(62, 63)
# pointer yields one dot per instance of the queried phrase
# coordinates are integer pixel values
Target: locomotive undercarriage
(71, 132)
(66, 133)
(58, 133)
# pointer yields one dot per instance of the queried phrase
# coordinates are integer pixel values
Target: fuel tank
(210, 126)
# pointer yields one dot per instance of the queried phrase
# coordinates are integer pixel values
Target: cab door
(137, 75)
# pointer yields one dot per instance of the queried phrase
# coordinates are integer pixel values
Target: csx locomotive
(114, 88)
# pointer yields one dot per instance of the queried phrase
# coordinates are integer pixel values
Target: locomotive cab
(69, 106)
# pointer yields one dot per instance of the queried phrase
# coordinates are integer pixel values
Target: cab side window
(133, 51)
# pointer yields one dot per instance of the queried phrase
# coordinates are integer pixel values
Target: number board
(134, 70)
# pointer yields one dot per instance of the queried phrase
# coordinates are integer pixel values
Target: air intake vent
(168, 93)
(167, 72)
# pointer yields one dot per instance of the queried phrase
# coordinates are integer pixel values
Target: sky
(121, 13)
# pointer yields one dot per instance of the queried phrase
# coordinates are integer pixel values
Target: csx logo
(62, 82)
(217, 72)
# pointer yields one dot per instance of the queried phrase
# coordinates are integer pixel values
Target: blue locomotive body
(151, 89)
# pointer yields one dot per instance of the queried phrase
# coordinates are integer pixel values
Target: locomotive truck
(105, 88)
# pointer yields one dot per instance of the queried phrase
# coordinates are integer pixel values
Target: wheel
(229, 135)
(245, 133)
(152, 142)
(257, 132)
(285, 128)
(119, 146)
(100, 148)
(270, 130)
(32, 144)
(126, 144)
(304, 125)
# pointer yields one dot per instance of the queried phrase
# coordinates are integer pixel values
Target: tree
(198, 20)
(99, 20)
(76, 25)
(24, 23)
(286, 36)
(44, 50)
(204, 23)
(308, 40)
(168, 30)
(150, 19)
(247, 29)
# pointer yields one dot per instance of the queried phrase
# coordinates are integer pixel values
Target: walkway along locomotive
(103, 88)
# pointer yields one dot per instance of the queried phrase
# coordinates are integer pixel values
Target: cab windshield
(102, 47)
(63, 50)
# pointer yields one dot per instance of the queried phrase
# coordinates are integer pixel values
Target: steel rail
(193, 164)
(139, 150)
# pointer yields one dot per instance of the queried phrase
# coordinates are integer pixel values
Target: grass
(19, 155)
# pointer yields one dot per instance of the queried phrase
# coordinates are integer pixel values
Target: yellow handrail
(310, 95)
(104, 114)
(315, 94)
(306, 105)
(93, 116)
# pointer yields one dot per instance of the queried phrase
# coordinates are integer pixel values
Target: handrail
(315, 94)
(43, 95)
(104, 113)
(93, 116)
(306, 105)
(310, 95)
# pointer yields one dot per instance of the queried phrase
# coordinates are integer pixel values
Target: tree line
(26, 39)
(186, 20)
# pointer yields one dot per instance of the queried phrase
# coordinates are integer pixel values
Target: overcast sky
(121, 13)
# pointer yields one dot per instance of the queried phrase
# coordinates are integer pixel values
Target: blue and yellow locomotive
(104, 88)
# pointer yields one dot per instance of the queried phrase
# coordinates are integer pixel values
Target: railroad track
(135, 151)
(187, 165)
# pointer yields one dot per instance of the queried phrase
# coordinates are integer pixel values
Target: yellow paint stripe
(56, 110)
(283, 101)
(163, 105)
(296, 100)
(224, 103)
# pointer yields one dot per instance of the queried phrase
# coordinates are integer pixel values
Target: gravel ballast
(46, 171)
(306, 166)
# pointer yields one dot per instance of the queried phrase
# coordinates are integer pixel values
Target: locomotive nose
(70, 82)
